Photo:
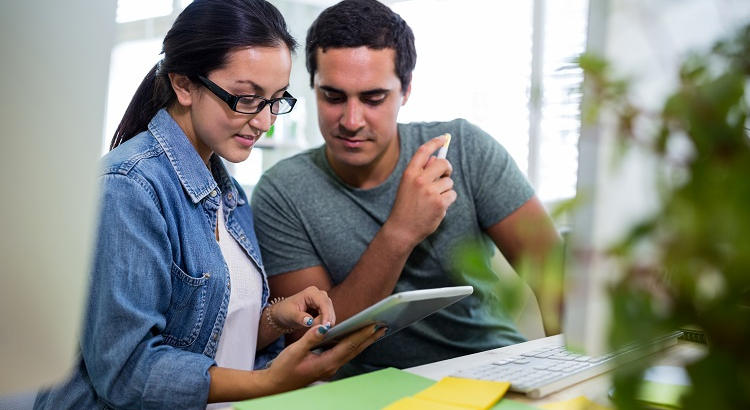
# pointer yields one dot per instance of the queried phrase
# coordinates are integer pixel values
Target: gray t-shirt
(306, 216)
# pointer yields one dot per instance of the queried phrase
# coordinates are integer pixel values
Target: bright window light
(564, 39)
(130, 63)
(131, 10)
(474, 61)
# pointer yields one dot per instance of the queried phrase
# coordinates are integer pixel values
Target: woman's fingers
(298, 365)
(355, 343)
(318, 300)
(304, 319)
(307, 308)
(308, 341)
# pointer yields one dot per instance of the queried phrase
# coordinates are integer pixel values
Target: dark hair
(198, 43)
(357, 23)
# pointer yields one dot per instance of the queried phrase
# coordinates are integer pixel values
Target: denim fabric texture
(159, 283)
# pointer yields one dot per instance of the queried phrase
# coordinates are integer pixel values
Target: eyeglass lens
(254, 104)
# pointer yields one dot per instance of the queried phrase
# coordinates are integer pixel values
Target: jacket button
(215, 336)
(213, 193)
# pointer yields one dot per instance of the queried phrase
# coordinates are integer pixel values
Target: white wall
(55, 58)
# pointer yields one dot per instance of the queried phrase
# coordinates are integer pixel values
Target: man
(373, 212)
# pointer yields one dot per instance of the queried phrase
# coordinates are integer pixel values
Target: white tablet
(398, 311)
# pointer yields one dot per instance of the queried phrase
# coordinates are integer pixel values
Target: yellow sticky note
(414, 403)
(475, 394)
(578, 403)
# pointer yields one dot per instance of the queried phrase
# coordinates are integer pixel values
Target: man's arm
(528, 239)
(373, 277)
(424, 195)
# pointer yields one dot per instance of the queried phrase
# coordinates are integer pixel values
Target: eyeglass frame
(231, 100)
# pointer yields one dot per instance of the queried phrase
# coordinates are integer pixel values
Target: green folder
(367, 391)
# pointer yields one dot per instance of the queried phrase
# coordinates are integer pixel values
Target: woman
(179, 301)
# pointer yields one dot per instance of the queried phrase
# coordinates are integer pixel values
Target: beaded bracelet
(271, 321)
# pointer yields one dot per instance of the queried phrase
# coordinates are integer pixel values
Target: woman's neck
(183, 118)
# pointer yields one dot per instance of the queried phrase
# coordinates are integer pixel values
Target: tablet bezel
(398, 311)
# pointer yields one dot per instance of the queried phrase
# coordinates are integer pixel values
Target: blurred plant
(697, 268)
(501, 288)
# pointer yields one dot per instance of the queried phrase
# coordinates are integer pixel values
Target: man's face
(359, 95)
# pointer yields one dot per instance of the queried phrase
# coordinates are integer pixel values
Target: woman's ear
(183, 88)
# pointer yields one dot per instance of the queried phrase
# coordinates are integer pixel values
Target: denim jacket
(159, 285)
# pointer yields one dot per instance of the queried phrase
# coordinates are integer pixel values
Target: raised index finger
(424, 152)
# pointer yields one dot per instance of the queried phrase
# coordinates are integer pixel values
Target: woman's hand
(304, 309)
(296, 366)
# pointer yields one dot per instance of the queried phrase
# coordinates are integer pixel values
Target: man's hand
(424, 195)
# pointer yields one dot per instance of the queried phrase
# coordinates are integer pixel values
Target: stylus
(444, 149)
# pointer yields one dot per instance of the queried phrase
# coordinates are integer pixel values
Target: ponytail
(153, 94)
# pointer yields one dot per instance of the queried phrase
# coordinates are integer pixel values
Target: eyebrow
(258, 89)
(367, 93)
(374, 92)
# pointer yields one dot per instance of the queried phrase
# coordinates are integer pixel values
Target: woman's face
(262, 71)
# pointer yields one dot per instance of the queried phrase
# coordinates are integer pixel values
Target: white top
(239, 338)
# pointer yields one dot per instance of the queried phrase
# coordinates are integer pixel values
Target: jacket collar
(193, 174)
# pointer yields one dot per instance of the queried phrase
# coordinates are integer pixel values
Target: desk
(596, 389)
(330, 396)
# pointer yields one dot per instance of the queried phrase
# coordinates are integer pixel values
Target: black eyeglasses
(250, 104)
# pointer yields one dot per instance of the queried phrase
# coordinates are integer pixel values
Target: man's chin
(348, 158)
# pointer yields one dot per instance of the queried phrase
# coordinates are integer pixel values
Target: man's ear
(405, 97)
(182, 87)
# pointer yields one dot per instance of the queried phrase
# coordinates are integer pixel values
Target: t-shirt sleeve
(284, 243)
(498, 186)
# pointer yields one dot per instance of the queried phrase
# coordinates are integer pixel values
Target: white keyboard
(551, 368)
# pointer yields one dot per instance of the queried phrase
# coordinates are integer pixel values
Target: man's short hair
(357, 23)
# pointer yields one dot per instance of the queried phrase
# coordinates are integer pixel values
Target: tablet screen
(398, 311)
